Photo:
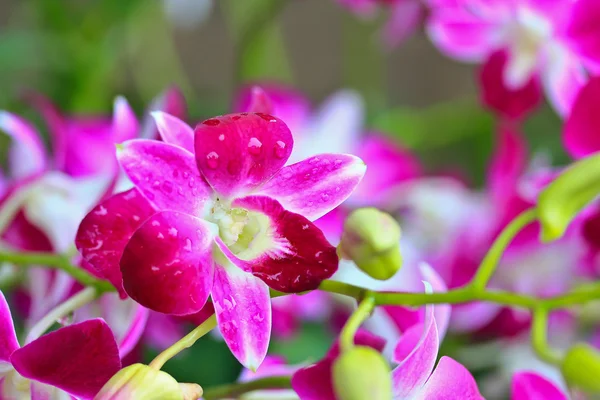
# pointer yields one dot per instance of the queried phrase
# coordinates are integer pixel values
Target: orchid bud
(581, 368)
(371, 239)
(362, 373)
(140, 382)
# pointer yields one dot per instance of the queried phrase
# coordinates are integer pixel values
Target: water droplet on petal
(191, 182)
(211, 122)
(279, 149)
(254, 146)
(175, 173)
(324, 196)
(221, 137)
(156, 184)
(212, 159)
(168, 186)
(180, 191)
(185, 175)
(188, 244)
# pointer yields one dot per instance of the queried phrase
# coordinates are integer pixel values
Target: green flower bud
(371, 239)
(140, 382)
(581, 368)
(362, 373)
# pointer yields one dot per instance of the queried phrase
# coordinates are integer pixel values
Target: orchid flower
(529, 385)
(272, 366)
(226, 221)
(553, 42)
(76, 360)
(415, 376)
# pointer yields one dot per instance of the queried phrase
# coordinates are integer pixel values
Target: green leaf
(561, 201)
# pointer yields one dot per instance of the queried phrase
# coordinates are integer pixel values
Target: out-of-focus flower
(553, 42)
(272, 366)
(580, 132)
(529, 385)
(77, 359)
(205, 224)
(140, 382)
(405, 17)
(414, 377)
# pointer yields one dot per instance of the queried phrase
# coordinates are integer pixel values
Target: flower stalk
(359, 316)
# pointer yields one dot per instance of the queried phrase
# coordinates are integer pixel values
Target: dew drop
(324, 196)
(156, 184)
(188, 244)
(254, 146)
(180, 191)
(211, 122)
(221, 137)
(307, 176)
(235, 117)
(168, 186)
(212, 159)
(279, 149)
(266, 117)
(149, 195)
(185, 175)
(191, 182)
(175, 173)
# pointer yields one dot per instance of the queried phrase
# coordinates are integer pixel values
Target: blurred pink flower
(554, 42)
(529, 385)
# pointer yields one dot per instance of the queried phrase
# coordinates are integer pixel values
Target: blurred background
(83, 53)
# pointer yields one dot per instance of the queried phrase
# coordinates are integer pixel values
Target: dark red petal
(79, 358)
(105, 231)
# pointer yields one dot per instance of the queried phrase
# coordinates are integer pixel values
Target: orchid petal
(124, 123)
(405, 17)
(236, 153)
(451, 381)
(286, 104)
(243, 308)
(167, 264)
(563, 77)
(289, 253)
(79, 358)
(415, 353)
(528, 385)
(105, 231)
(174, 131)
(580, 134)
(172, 102)
(317, 185)
(441, 312)
(8, 336)
(41, 391)
(513, 103)
(27, 155)
(47, 289)
(165, 174)
(335, 127)
(315, 382)
(57, 127)
(583, 31)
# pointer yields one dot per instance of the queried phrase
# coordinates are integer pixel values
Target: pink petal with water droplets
(507, 102)
(529, 385)
(415, 353)
(243, 308)
(317, 185)
(105, 231)
(79, 358)
(287, 104)
(167, 264)
(580, 134)
(27, 155)
(165, 174)
(236, 153)
(451, 381)
(8, 336)
(174, 131)
(289, 253)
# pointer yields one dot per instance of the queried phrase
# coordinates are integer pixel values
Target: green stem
(359, 316)
(488, 265)
(80, 299)
(539, 338)
(235, 390)
(56, 261)
(185, 342)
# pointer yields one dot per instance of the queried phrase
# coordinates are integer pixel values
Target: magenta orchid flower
(580, 132)
(415, 376)
(553, 42)
(76, 360)
(225, 222)
(529, 385)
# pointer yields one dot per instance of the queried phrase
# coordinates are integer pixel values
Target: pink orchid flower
(226, 221)
(76, 360)
(580, 132)
(529, 385)
(415, 376)
(554, 42)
